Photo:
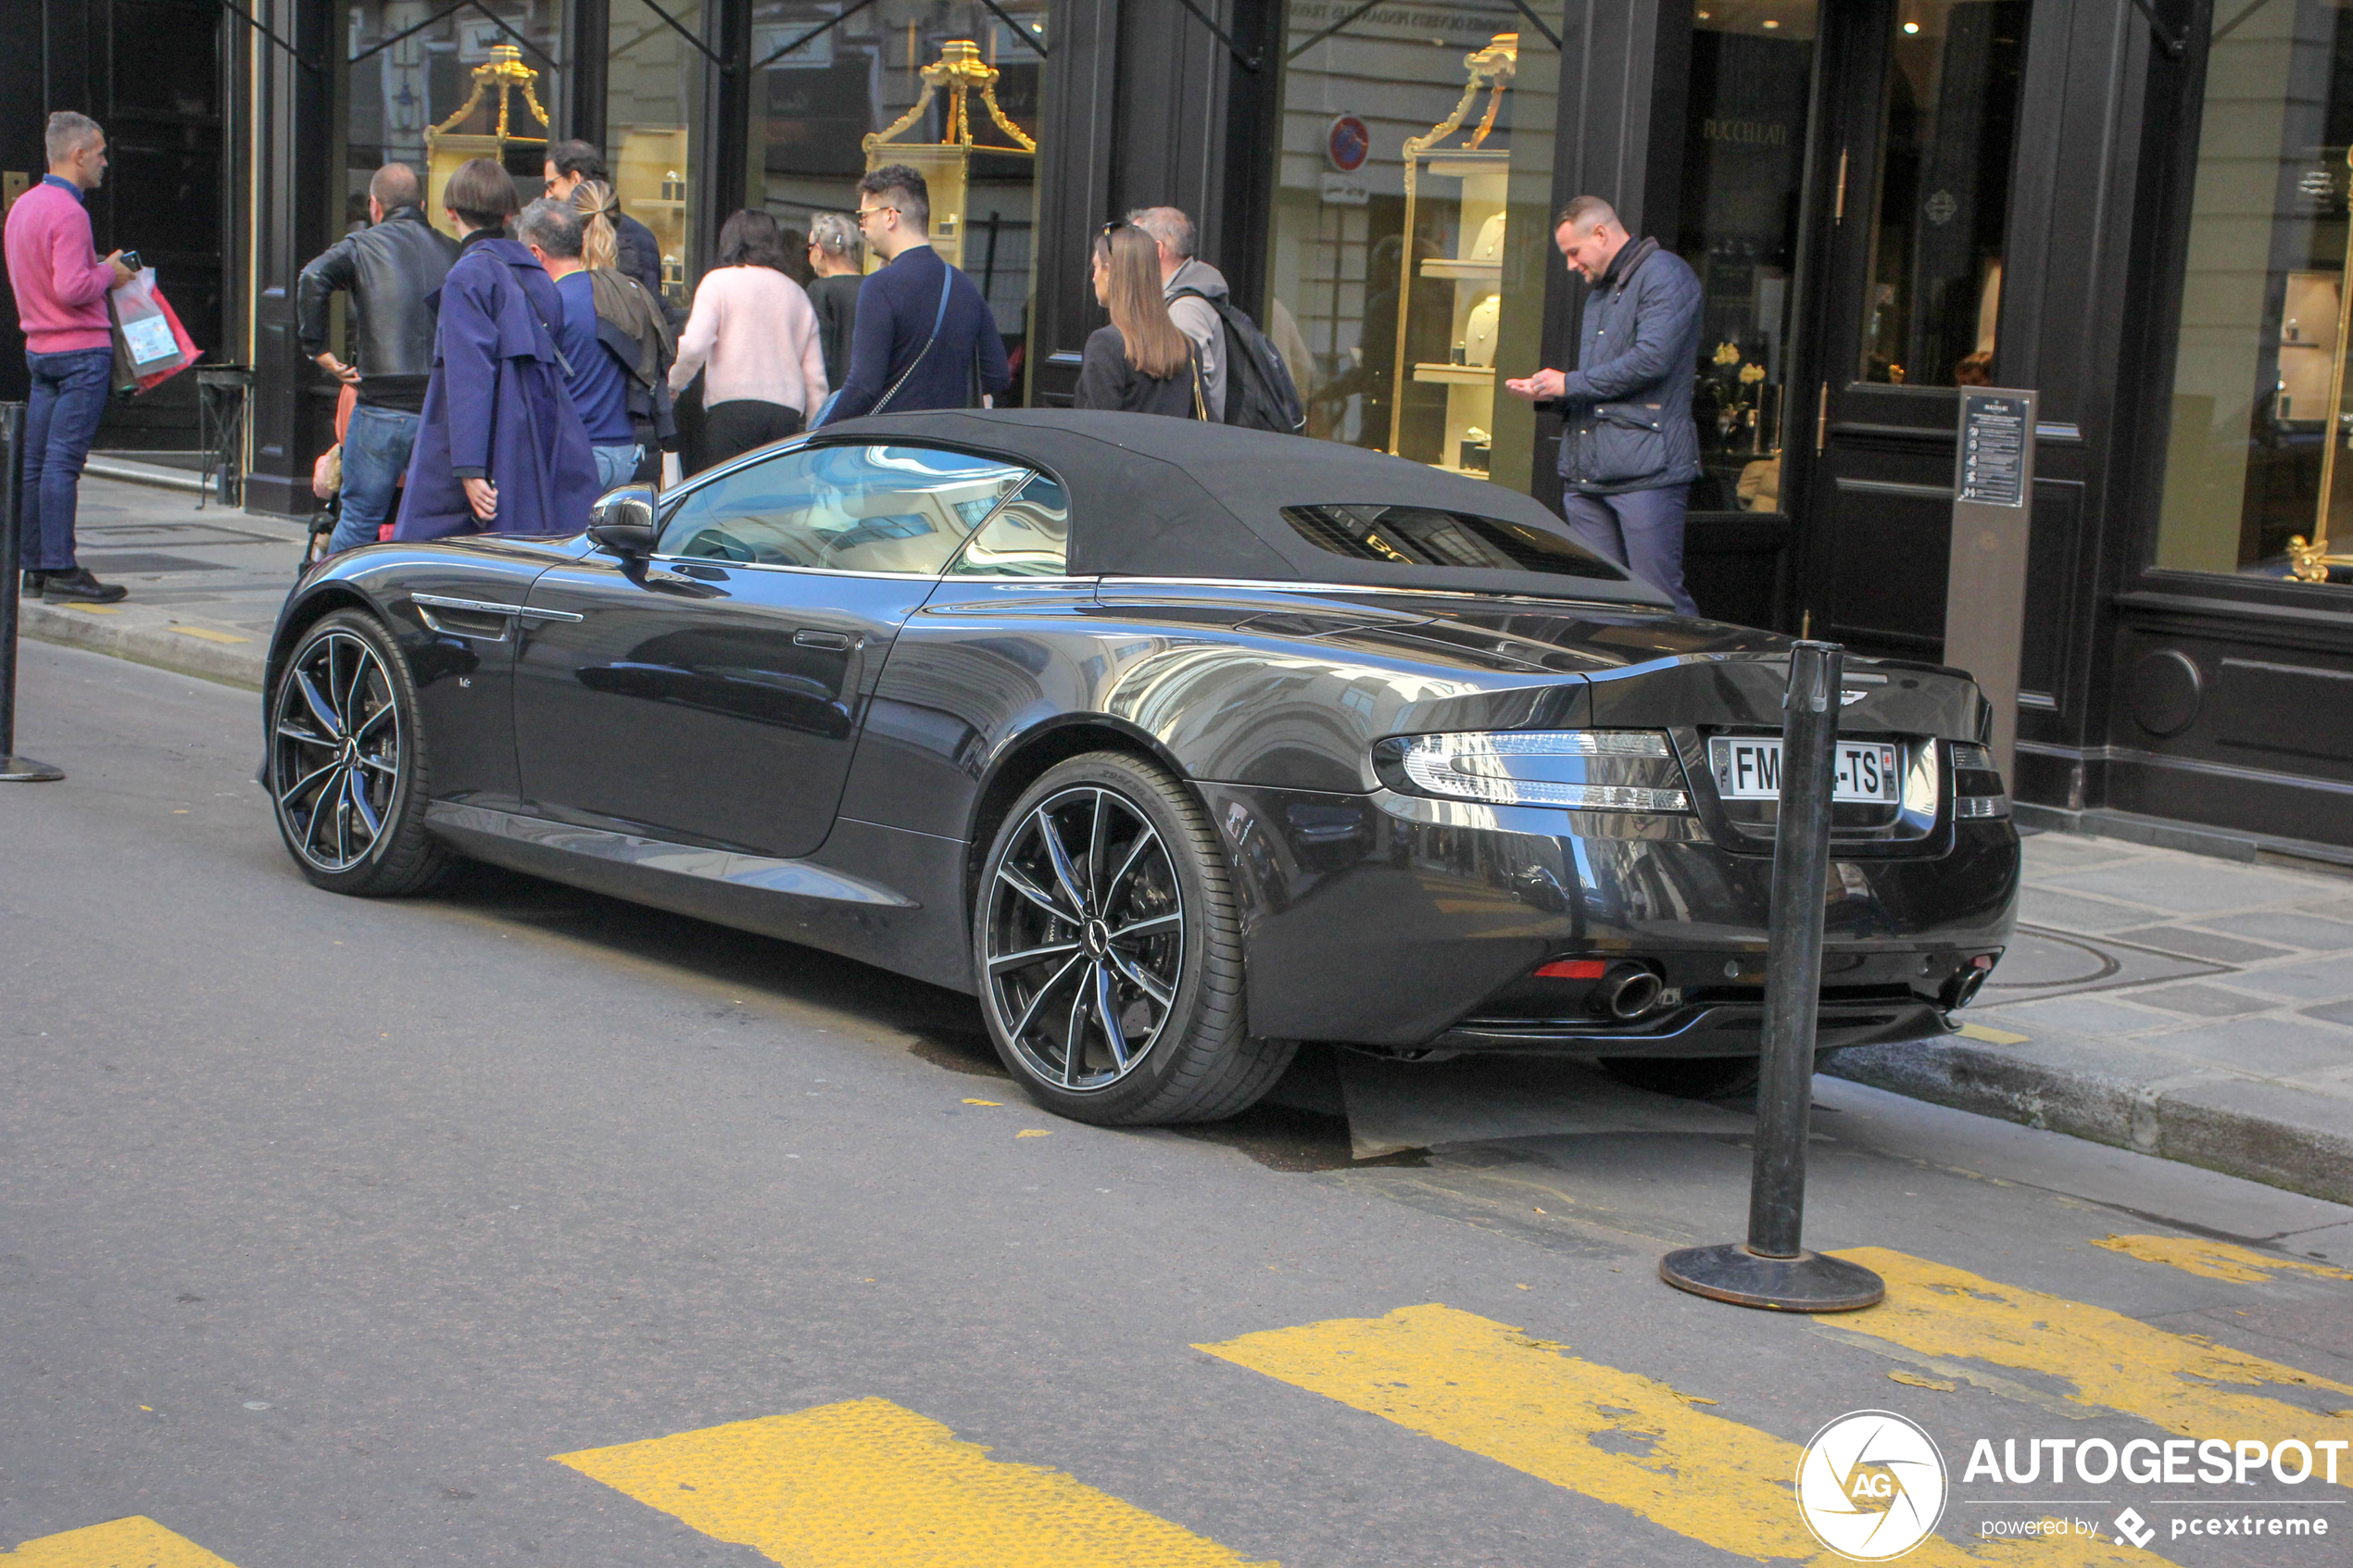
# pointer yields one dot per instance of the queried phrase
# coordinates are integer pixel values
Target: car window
(1427, 536)
(1028, 537)
(843, 508)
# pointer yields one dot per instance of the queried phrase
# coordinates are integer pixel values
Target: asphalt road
(325, 1224)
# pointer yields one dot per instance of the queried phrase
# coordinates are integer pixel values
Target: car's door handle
(808, 638)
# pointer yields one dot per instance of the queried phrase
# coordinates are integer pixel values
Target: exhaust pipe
(1631, 993)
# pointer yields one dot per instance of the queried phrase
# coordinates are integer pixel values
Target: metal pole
(1773, 1270)
(13, 769)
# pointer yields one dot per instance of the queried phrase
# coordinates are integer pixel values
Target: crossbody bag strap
(947, 281)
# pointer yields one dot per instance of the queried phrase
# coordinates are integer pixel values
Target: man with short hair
(1628, 449)
(1184, 278)
(391, 270)
(500, 447)
(550, 229)
(567, 163)
(61, 283)
(907, 352)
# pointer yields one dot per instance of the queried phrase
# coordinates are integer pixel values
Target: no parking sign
(1347, 142)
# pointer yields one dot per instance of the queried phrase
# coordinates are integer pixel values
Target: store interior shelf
(1449, 267)
(1455, 375)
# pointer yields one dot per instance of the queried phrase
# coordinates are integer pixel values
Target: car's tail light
(1976, 787)
(1586, 770)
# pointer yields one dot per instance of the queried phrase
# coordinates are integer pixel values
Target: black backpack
(1259, 393)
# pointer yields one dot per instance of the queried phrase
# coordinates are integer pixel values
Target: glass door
(1922, 116)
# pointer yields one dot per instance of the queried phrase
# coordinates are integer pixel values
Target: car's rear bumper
(1390, 920)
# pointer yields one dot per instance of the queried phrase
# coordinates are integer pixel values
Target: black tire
(1686, 1078)
(348, 765)
(1138, 903)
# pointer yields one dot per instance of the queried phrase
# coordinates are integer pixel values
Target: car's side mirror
(623, 523)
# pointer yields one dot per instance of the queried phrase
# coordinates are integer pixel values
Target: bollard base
(24, 769)
(1808, 1283)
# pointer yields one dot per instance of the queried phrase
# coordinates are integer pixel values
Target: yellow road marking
(209, 635)
(2214, 1260)
(2111, 1359)
(1992, 1036)
(135, 1542)
(868, 1484)
(93, 610)
(1617, 1436)
(997, 1103)
(1034, 1133)
(1914, 1380)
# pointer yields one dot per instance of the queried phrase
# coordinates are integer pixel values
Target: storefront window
(1461, 98)
(1938, 217)
(2259, 478)
(1751, 78)
(414, 65)
(654, 92)
(832, 74)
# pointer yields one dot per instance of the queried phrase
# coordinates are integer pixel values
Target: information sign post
(1985, 586)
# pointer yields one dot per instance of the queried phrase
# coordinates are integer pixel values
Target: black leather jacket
(389, 269)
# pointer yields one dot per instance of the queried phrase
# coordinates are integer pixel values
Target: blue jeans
(69, 399)
(1641, 531)
(375, 454)
(617, 466)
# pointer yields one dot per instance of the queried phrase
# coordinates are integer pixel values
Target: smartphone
(131, 259)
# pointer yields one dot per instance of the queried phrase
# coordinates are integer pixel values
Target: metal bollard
(13, 769)
(1773, 1270)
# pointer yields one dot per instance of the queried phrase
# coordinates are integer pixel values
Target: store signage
(1345, 190)
(1994, 430)
(1346, 143)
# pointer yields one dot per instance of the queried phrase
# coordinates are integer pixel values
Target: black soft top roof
(1152, 496)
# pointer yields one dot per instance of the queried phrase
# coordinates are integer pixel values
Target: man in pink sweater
(62, 285)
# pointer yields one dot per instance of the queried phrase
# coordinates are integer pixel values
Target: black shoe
(77, 586)
(32, 581)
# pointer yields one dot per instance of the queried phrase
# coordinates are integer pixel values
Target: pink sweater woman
(753, 336)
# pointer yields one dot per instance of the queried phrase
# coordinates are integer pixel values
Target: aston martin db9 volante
(1174, 744)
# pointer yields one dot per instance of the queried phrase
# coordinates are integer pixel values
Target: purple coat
(496, 407)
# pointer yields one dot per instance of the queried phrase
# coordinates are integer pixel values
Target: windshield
(1427, 536)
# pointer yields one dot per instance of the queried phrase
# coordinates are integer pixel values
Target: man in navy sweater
(896, 364)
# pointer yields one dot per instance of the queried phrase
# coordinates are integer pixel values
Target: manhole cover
(2042, 962)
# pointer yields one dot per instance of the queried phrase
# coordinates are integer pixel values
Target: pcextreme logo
(1871, 1486)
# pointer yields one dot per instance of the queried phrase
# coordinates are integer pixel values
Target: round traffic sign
(1347, 142)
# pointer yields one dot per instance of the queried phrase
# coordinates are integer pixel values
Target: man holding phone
(61, 283)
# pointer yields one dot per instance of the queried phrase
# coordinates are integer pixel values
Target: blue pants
(616, 466)
(61, 419)
(1641, 531)
(376, 442)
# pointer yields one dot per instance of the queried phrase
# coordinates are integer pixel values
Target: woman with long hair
(833, 256)
(753, 337)
(631, 323)
(1142, 363)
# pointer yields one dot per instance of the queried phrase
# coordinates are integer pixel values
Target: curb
(241, 665)
(2261, 1131)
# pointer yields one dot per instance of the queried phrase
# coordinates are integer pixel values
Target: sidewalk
(2158, 1001)
(205, 584)
(2166, 1002)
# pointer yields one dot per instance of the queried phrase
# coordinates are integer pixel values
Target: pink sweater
(54, 273)
(752, 333)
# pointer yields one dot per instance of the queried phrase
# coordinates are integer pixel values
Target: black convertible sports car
(1176, 744)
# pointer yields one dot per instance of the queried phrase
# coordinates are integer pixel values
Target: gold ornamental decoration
(448, 146)
(945, 165)
(960, 69)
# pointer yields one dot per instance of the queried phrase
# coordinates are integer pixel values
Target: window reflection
(1934, 284)
(1743, 172)
(415, 68)
(842, 509)
(654, 91)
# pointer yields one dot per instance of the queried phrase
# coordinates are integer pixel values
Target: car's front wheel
(1108, 952)
(347, 762)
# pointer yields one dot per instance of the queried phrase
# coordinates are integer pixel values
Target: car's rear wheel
(347, 762)
(1689, 1077)
(1108, 952)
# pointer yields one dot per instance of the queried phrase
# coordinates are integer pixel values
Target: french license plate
(1749, 768)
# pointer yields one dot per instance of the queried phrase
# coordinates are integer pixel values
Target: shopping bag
(150, 346)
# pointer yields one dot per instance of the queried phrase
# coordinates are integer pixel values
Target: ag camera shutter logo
(1871, 1486)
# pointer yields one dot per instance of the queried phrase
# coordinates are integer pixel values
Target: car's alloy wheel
(1085, 944)
(1109, 951)
(345, 759)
